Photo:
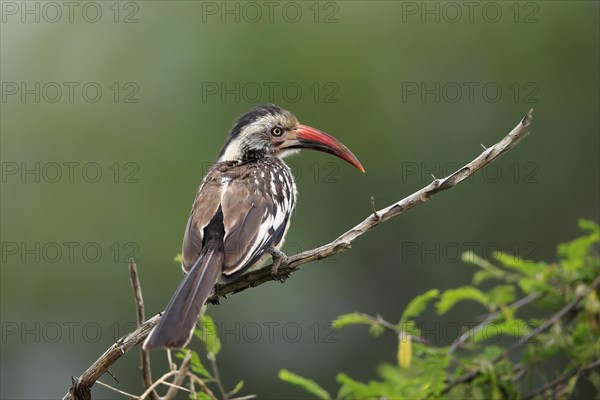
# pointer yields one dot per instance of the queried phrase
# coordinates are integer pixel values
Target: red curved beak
(306, 137)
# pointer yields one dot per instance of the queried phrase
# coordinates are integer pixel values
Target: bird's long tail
(176, 325)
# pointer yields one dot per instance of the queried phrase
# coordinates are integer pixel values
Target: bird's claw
(281, 276)
(214, 298)
(279, 259)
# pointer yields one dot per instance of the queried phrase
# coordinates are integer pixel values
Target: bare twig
(215, 370)
(156, 384)
(172, 365)
(183, 370)
(139, 303)
(469, 376)
(137, 291)
(81, 386)
(177, 387)
(565, 377)
(489, 319)
(205, 389)
(519, 371)
(132, 396)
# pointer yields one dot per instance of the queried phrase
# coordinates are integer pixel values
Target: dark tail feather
(177, 323)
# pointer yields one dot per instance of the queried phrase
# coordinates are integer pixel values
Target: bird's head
(269, 130)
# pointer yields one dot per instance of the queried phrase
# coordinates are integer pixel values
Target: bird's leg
(279, 259)
(214, 297)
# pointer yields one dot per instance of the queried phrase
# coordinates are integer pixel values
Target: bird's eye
(277, 131)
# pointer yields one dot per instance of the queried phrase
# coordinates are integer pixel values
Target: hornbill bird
(241, 212)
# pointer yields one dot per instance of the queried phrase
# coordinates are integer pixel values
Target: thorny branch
(488, 320)
(552, 386)
(344, 242)
(81, 386)
(469, 376)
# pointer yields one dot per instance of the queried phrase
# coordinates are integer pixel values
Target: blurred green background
(111, 112)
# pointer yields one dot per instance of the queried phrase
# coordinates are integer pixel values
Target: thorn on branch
(377, 217)
(108, 371)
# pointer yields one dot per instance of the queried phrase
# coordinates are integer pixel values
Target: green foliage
(488, 270)
(495, 357)
(195, 364)
(357, 318)
(417, 305)
(307, 384)
(516, 328)
(522, 267)
(208, 335)
(452, 296)
(237, 388)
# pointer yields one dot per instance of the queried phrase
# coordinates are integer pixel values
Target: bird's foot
(279, 259)
(214, 297)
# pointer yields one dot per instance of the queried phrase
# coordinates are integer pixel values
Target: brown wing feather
(250, 208)
(205, 206)
(246, 207)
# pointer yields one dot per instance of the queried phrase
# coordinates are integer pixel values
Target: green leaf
(533, 285)
(432, 374)
(491, 352)
(493, 331)
(357, 318)
(502, 294)
(482, 276)
(489, 270)
(452, 296)
(351, 388)
(195, 364)
(527, 268)
(237, 388)
(307, 384)
(588, 225)
(351, 319)
(496, 392)
(576, 253)
(178, 258)
(417, 305)
(208, 334)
